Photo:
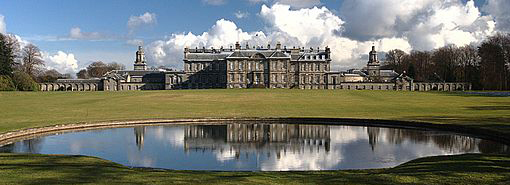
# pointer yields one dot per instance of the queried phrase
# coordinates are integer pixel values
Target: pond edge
(12, 136)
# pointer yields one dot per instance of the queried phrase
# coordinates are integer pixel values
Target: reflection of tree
(25, 146)
(448, 142)
(7, 148)
(486, 146)
(139, 135)
(34, 145)
(238, 138)
(373, 135)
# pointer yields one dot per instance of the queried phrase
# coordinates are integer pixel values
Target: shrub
(24, 82)
(6, 83)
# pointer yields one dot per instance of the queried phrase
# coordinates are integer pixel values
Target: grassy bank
(20, 110)
(29, 109)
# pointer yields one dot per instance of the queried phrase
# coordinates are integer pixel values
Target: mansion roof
(224, 54)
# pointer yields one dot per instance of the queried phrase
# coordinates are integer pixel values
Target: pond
(257, 146)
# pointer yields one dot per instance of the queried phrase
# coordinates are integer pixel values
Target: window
(241, 77)
(231, 77)
(318, 67)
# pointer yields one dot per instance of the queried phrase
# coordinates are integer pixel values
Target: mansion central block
(257, 67)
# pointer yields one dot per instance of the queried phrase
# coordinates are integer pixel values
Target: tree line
(485, 66)
(22, 68)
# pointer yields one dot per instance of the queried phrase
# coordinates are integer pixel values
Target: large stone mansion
(251, 67)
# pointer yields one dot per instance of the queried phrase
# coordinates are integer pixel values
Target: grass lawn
(33, 109)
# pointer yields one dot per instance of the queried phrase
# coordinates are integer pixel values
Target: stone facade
(256, 68)
(251, 67)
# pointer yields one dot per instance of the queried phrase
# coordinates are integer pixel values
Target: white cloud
(61, 61)
(240, 15)
(145, 19)
(389, 24)
(300, 3)
(169, 52)
(499, 9)
(3, 27)
(76, 33)
(426, 24)
(214, 2)
(309, 27)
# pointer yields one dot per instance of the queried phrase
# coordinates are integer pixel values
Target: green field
(34, 109)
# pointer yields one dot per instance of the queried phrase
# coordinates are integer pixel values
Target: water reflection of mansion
(241, 138)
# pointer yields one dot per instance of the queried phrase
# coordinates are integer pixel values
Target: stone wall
(69, 86)
(424, 86)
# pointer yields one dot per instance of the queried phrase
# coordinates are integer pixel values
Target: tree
(6, 83)
(31, 59)
(469, 66)
(82, 74)
(98, 69)
(492, 66)
(395, 59)
(116, 66)
(24, 82)
(49, 76)
(421, 63)
(7, 55)
(445, 60)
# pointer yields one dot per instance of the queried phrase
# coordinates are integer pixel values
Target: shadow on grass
(59, 169)
(489, 108)
(466, 163)
(479, 93)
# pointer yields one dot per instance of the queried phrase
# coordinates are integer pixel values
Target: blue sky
(104, 33)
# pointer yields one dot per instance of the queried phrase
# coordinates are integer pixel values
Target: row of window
(314, 57)
(255, 66)
(312, 79)
(314, 67)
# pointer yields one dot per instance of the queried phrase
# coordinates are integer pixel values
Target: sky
(73, 34)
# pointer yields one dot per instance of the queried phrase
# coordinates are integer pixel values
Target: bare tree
(98, 69)
(395, 59)
(49, 76)
(495, 55)
(115, 66)
(82, 74)
(421, 63)
(31, 59)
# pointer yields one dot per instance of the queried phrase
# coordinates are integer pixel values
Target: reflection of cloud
(75, 147)
(346, 134)
(174, 134)
(138, 159)
(224, 155)
(313, 159)
(306, 160)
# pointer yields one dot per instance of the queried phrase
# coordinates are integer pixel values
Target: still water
(254, 147)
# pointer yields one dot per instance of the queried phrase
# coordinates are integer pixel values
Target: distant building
(251, 67)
